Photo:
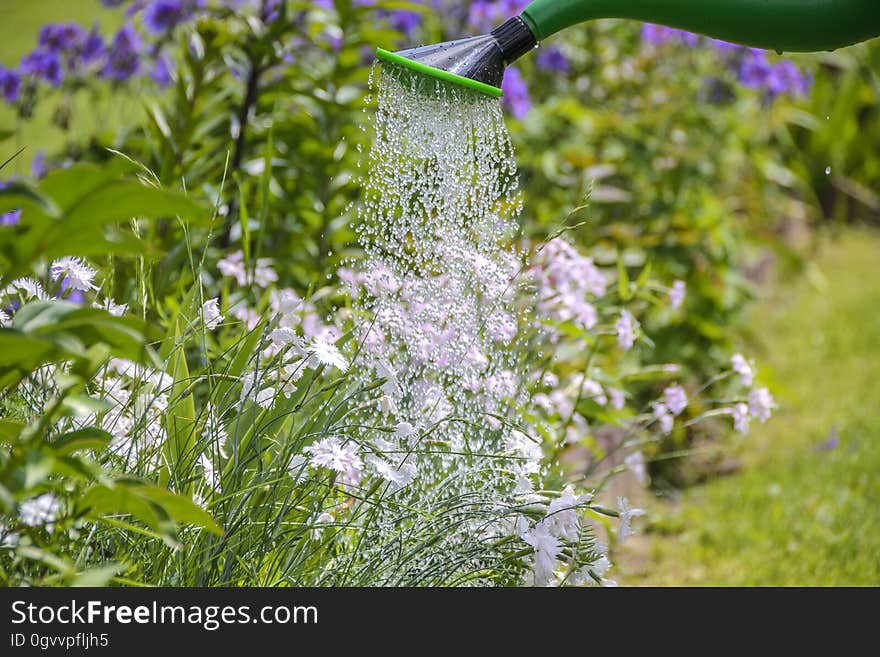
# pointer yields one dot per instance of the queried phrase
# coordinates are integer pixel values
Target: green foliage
(803, 511)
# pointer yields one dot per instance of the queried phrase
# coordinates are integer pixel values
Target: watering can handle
(781, 25)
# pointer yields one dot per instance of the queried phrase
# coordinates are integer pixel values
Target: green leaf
(82, 439)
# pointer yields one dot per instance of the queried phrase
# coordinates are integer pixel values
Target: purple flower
(123, 55)
(754, 69)
(43, 64)
(10, 84)
(161, 73)
(163, 15)
(516, 93)
(113, 3)
(786, 78)
(403, 20)
(10, 218)
(93, 47)
(38, 166)
(61, 37)
(659, 34)
(271, 11)
(551, 59)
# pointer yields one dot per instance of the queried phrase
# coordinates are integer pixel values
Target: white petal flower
(341, 457)
(5, 319)
(626, 516)
(761, 404)
(284, 336)
(233, 266)
(742, 367)
(397, 476)
(29, 289)
(676, 399)
(115, 309)
(42, 510)
(75, 271)
(327, 354)
(664, 417)
(211, 314)
(677, 293)
(546, 549)
(625, 328)
(740, 414)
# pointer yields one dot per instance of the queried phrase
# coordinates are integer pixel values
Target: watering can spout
(781, 25)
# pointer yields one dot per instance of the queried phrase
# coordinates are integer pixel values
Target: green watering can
(780, 25)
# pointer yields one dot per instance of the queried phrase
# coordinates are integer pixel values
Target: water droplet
(827, 171)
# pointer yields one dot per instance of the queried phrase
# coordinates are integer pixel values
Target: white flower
(740, 414)
(283, 336)
(618, 401)
(249, 316)
(323, 518)
(527, 448)
(211, 314)
(264, 275)
(341, 457)
(42, 510)
(233, 266)
(8, 539)
(387, 405)
(404, 430)
(562, 519)
(115, 309)
(396, 475)
(761, 404)
(664, 417)
(285, 302)
(626, 516)
(214, 429)
(78, 274)
(676, 399)
(546, 549)
(676, 294)
(327, 354)
(742, 367)
(4, 318)
(593, 390)
(29, 288)
(636, 464)
(212, 477)
(252, 388)
(625, 328)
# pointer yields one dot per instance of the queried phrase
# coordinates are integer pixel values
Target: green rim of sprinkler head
(446, 76)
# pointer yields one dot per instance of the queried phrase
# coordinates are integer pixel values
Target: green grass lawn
(802, 511)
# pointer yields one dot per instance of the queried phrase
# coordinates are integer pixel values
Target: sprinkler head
(476, 62)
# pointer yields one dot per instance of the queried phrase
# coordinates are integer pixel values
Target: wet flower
(340, 457)
(398, 476)
(75, 272)
(618, 400)
(211, 314)
(546, 550)
(324, 353)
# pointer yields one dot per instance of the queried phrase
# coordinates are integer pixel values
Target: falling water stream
(436, 294)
